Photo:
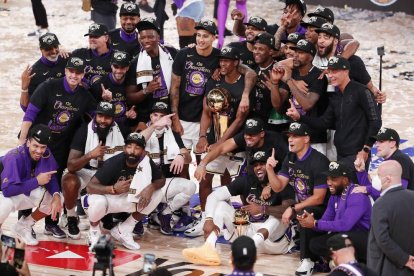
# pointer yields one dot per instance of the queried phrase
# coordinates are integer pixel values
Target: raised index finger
(273, 152)
(51, 172)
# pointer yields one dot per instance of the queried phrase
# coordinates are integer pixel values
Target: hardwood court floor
(69, 257)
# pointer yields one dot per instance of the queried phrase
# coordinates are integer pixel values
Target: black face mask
(132, 159)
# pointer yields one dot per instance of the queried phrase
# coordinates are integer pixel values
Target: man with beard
(98, 55)
(50, 66)
(265, 98)
(61, 104)
(253, 138)
(92, 144)
(112, 88)
(230, 120)
(110, 191)
(302, 169)
(28, 180)
(289, 43)
(347, 212)
(149, 77)
(255, 26)
(328, 40)
(352, 111)
(167, 150)
(258, 205)
(305, 76)
(126, 38)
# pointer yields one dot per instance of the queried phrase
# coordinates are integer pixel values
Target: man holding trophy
(253, 219)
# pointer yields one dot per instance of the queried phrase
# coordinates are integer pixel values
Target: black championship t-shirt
(246, 56)
(272, 140)
(260, 98)
(44, 70)
(96, 65)
(115, 169)
(118, 95)
(195, 70)
(161, 95)
(236, 91)
(407, 167)
(306, 174)
(317, 86)
(122, 41)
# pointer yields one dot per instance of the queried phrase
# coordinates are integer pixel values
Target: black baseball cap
(338, 63)
(330, 29)
(105, 108)
(337, 168)
(305, 46)
(387, 134)
(323, 12)
(121, 58)
(253, 126)
(160, 107)
(338, 241)
(314, 21)
(148, 23)
(300, 3)
(243, 251)
(96, 29)
(208, 25)
(41, 134)
(298, 129)
(266, 39)
(259, 156)
(76, 63)
(229, 53)
(129, 8)
(136, 138)
(48, 41)
(258, 22)
(293, 38)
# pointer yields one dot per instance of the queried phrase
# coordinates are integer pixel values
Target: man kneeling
(28, 180)
(269, 235)
(111, 191)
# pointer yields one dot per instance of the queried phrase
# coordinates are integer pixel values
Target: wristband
(201, 165)
(315, 224)
(293, 207)
(180, 154)
(202, 136)
(25, 90)
(113, 189)
(208, 218)
(144, 91)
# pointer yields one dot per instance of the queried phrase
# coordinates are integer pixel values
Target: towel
(170, 150)
(114, 140)
(142, 178)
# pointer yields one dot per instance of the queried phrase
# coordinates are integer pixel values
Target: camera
(381, 51)
(18, 258)
(104, 249)
(8, 241)
(149, 263)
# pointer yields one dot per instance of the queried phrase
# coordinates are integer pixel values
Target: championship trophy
(241, 222)
(218, 100)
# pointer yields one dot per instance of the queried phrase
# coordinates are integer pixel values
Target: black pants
(307, 234)
(39, 13)
(359, 240)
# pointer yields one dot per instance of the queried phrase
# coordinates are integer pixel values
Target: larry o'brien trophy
(241, 222)
(218, 100)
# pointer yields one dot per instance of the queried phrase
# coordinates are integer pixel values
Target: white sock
(71, 212)
(258, 239)
(94, 228)
(128, 225)
(212, 238)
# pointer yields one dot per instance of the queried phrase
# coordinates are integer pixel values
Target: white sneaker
(126, 239)
(305, 268)
(197, 228)
(24, 231)
(93, 237)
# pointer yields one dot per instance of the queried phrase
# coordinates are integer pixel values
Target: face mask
(376, 183)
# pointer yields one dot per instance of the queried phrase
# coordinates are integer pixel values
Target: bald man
(391, 240)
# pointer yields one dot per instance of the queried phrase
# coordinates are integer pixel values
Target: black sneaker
(165, 224)
(55, 231)
(73, 229)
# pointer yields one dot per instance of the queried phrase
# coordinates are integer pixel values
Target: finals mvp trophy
(218, 100)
